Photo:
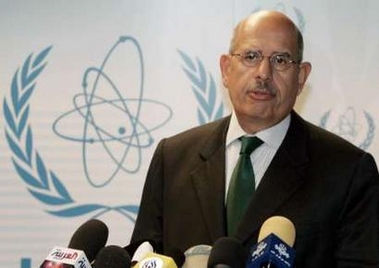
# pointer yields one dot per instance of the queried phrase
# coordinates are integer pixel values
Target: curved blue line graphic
(136, 135)
(42, 183)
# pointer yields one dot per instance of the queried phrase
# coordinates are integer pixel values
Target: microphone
(197, 256)
(156, 260)
(84, 245)
(274, 247)
(112, 257)
(90, 237)
(227, 252)
(144, 248)
(61, 257)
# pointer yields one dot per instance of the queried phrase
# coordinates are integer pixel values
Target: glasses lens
(280, 62)
(251, 58)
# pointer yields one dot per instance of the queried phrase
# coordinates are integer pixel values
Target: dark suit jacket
(327, 187)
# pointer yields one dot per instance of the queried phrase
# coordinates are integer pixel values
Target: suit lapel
(282, 179)
(209, 181)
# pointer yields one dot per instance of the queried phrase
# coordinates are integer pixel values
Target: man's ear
(225, 69)
(305, 70)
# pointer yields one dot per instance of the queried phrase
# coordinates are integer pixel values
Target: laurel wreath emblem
(204, 88)
(42, 183)
(370, 133)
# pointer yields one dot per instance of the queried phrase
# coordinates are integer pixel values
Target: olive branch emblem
(204, 88)
(370, 133)
(42, 183)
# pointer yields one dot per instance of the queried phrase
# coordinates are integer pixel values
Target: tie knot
(249, 144)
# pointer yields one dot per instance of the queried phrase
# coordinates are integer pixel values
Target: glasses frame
(261, 58)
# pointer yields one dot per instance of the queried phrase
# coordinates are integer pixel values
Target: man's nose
(264, 69)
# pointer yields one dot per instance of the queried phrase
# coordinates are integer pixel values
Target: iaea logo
(356, 126)
(43, 183)
(117, 143)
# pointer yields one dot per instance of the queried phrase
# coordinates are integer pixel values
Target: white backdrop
(89, 87)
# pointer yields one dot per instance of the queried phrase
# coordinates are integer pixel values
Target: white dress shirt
(262, 156)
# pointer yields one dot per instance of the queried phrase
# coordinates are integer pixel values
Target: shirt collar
(272, 136)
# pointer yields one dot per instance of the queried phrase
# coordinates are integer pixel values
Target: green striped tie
(242, 184)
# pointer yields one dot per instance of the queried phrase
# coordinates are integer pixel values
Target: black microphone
(227, 252)
(84, 245)
(112, 257)
(274, 247)
(90, 237)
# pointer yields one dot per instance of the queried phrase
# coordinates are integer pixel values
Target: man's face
(261, 95)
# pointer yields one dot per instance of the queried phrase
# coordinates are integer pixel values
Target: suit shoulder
(320, 143)
(322, 138)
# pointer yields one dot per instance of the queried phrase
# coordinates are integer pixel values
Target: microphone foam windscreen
(227, 251)
(279, 226)
(112, 257)
(90, 237)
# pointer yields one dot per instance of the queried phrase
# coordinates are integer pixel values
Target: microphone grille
(227, 251)
(279, 226)
(112, 257)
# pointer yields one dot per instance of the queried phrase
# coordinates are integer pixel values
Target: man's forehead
(267, 22)
(277, 39)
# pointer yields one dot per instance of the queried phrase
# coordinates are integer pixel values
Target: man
(327, 187)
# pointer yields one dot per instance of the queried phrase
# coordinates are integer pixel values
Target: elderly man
(327, 187)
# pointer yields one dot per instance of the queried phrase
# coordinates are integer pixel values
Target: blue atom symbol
(112, 121)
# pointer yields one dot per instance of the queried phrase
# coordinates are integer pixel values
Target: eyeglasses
(279, 61)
